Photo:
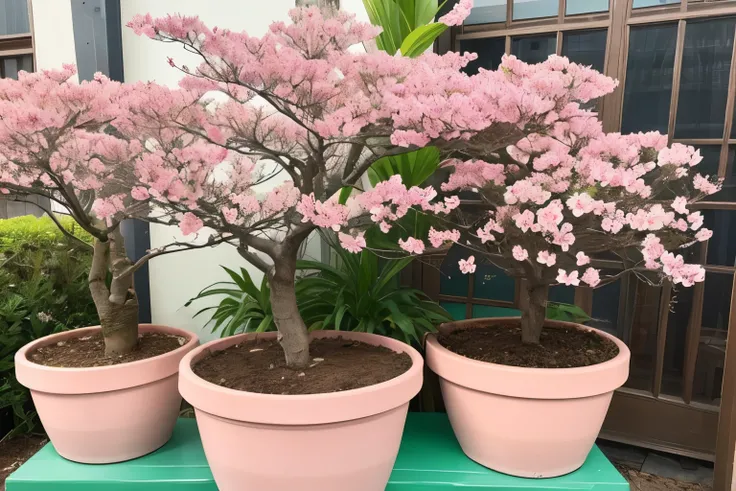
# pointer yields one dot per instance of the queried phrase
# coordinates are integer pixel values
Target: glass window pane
(14, 17)
(652, 3)
(534, 9)
(722, 246)
(492, 283)
(728, 193)
(586, 47)
(490, 51)
(452, 281)
(713, 334)
(487, 11)
(709, 167)
(562, 294)
(605, 308)
(456, 310)
(674, 353)
(534, 49)
(649, 78)
(481, 311)
(643, 338)
(586, 6)
(706, 65)
(9, 67)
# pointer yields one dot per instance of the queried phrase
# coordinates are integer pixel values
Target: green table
(430, 460)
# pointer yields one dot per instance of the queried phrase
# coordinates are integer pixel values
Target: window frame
(16, 45)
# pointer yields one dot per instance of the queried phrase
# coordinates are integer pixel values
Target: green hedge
(44, 289)
(38, 232)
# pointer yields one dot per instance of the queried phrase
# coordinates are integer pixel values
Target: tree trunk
(532, 317)
(117, 306)
(293, 334)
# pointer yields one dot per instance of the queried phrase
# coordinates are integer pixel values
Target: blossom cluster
(555, 188)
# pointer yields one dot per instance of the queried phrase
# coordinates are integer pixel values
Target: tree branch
(254, 259)
(162, 251)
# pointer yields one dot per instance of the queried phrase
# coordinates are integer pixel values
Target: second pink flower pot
(101, 415)
(526, 422)
(322, 442)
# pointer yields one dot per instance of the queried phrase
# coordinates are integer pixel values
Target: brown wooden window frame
(15, 45)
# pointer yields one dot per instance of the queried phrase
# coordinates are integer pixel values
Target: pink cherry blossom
(139, 193)
(547, 258)
(190, 224)
(467, 266)
(591, 277)
(230, 214)
(350, 243)
(524, 220)
(705, 185)
(519, 253)
(696, 220)
(568, 279)
(580, 204)
(582, 259)
(680, 205)
(437, 237)
(412, 245)
(703, 235)
(458, 14)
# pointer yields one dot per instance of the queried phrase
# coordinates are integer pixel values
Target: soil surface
(15, 451)
(337, 364)
(560, 347)
(89, 351)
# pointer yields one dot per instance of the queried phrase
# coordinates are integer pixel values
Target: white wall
(53, 33)
(177, 277)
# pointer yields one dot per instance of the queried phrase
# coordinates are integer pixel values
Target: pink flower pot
(322, 442)
(101, 415)
(527, 422)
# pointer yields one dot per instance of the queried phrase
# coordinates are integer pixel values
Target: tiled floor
(656, 471)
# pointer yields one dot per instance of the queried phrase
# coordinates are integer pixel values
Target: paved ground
(655, 471)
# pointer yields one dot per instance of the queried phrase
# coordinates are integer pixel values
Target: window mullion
(676, 76)
(723, 163)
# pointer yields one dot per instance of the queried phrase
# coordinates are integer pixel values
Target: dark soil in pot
(337, 365)
(89, 351)
(560, 347)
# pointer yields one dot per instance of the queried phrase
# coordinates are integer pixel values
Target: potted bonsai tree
(295, 119)
(551, 192)
(57, 141)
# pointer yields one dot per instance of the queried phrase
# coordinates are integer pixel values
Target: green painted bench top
(430, 460)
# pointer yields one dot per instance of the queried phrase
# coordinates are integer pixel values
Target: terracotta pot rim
(320, 408)
(524, 381)
(54, 379)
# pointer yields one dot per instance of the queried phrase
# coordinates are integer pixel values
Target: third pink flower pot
(526, 422)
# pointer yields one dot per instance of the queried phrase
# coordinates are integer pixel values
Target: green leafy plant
(43, 277)
(244, 308)
(407, 24)
(566, 312)
(364, 294)
(360, 293)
